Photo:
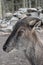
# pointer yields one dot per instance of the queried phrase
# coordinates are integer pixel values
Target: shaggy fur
(24, 38)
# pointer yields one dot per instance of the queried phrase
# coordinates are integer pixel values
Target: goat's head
(21, 36)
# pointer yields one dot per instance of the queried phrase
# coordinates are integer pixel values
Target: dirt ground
(3, 55)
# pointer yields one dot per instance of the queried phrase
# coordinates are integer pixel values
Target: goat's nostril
(4, 48)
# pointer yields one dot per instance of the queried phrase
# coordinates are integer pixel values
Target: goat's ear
(32, 22)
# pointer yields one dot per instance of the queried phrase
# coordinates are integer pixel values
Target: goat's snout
(4, 48)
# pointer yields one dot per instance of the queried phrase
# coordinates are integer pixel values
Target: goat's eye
(20, 33)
